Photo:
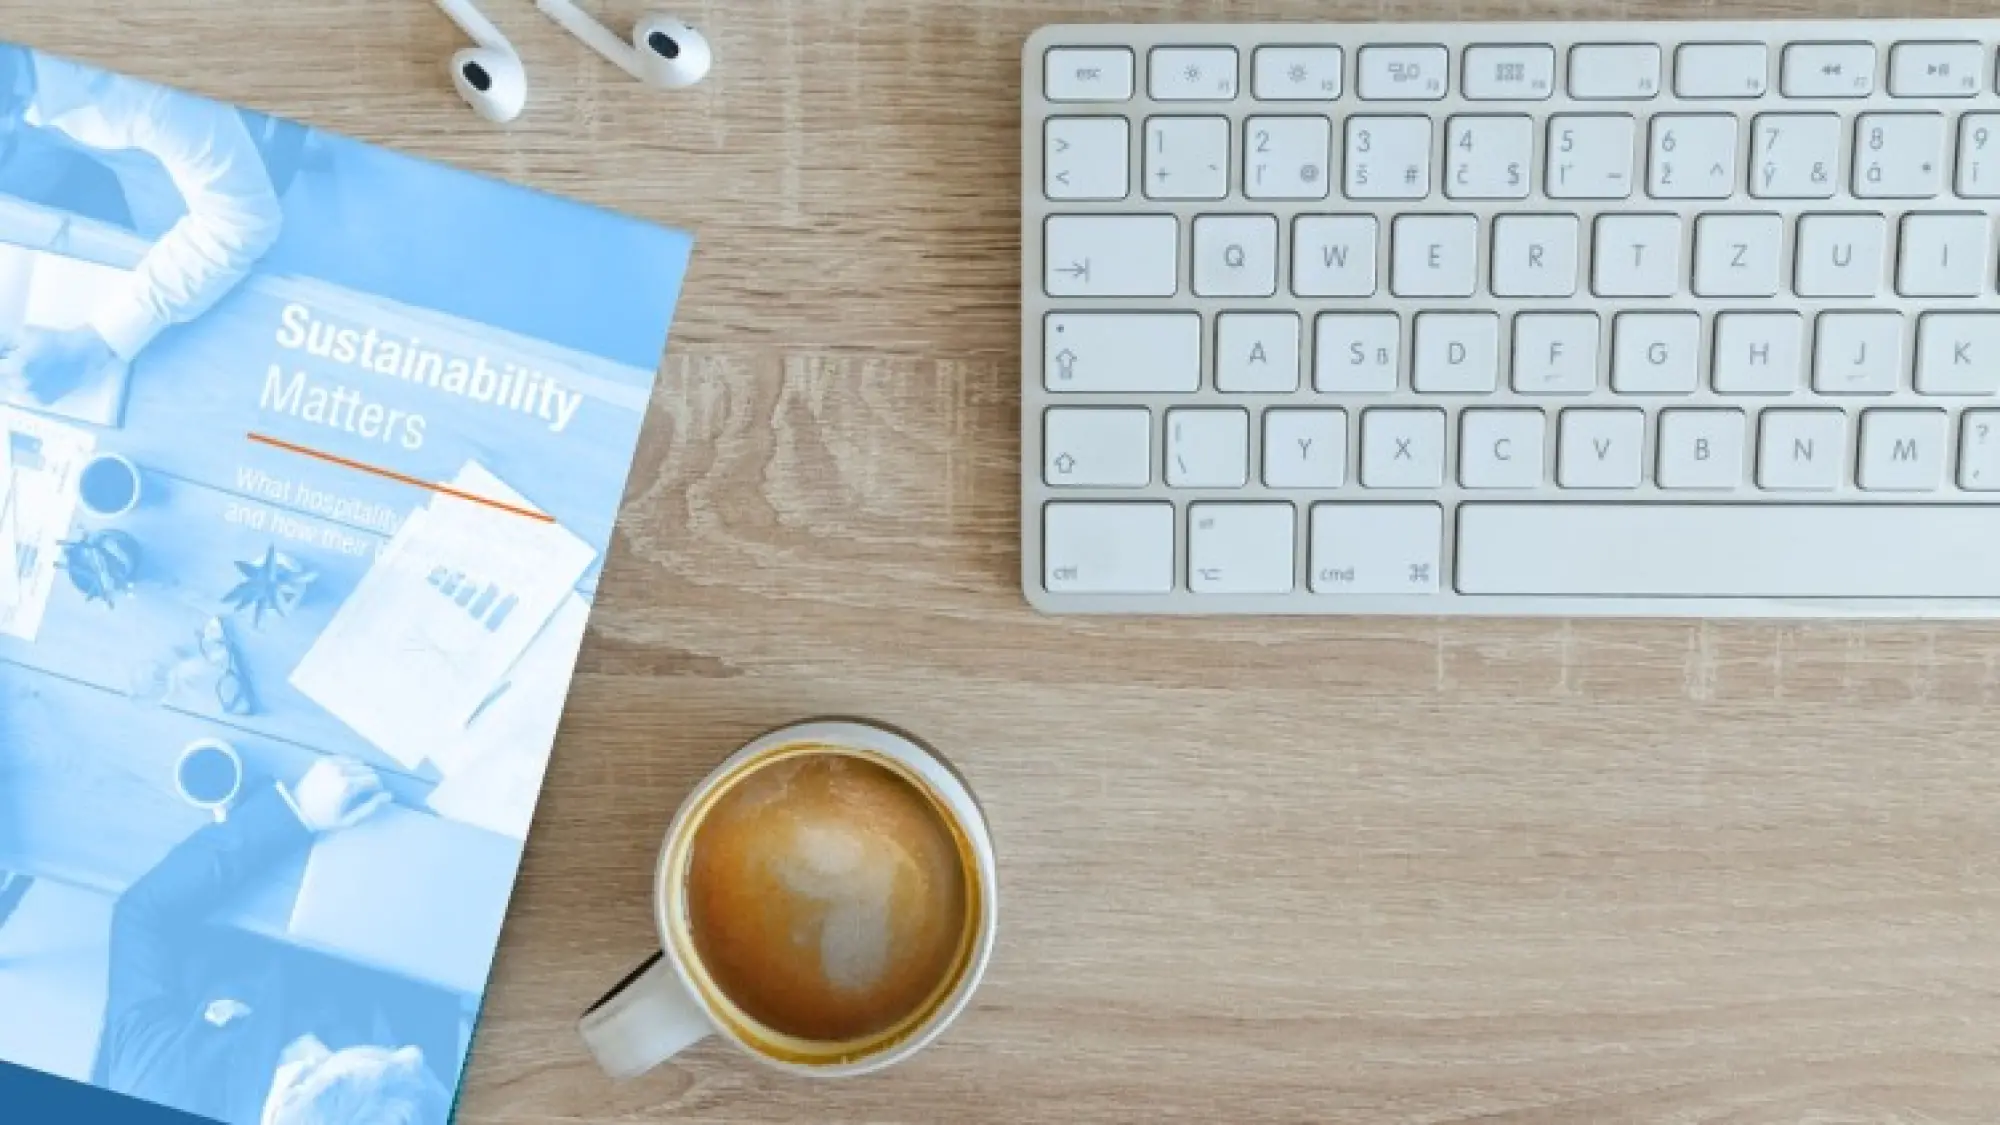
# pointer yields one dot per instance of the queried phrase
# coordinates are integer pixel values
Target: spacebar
(1729, 550)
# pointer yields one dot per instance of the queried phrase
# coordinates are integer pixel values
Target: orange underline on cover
(399, 478)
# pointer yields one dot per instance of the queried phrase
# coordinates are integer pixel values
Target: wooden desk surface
(1255, 872)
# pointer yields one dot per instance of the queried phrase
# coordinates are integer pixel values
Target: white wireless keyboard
(1531, 318)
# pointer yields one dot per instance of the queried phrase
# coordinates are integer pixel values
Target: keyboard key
(1434, 255)
(1794, 155)
(1402, 448)
(1208, 448)
(1757, 353)
(1488, 157)
(1958, 353)
(1691, 156)
(1118, 548)
(1111, 256)
(1257, 353)
(1402, 73)
(1944, 256)
(1738, 255)
(1296, 74)
(1513, 72)
(1801, 450)
(1305, 448)
(1240, 548)
(1388, 157)
(1721, 70)
(1898, 155)
(1636, 256)
(1087, 74)
(1500, 448)
(1979, 155)
(1187, 157)
(1601, 449)
(1097, 447)
(1902, 450)
(1858, 353)
(1356, 353)
(1192, 74)
(1534, 255)
(1654, 353)
(1333, 255)
(1235, 256)
(1555, 353)
(1286, 157)
(1828, 70)
(1456, 353)
(1086, 158)
(1701, 449)
(1979, 451)
(1590, 156)
(1122, 353)
(1782, 551)
(1839, 255)
(1376, 548)
(1936, 70)
(1616, 71)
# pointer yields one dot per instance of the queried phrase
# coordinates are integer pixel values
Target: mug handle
(644, 1021)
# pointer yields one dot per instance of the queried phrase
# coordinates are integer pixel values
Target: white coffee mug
(669, 1003)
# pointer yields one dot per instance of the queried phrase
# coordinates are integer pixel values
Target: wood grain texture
(1254, 872)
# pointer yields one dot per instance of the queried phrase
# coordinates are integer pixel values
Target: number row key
(1587, 156)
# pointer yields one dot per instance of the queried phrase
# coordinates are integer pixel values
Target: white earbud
(664, 52)
(488, 76)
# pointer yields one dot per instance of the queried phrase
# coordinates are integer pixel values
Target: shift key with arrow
(1097, 447)
(1085, 158)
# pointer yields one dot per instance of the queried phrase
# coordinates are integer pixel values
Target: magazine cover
(309, 459)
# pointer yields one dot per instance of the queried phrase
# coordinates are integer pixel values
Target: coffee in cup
(827, 896)
(825, 901)
(209, 775)
(108, 486)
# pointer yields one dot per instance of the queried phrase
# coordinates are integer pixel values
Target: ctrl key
(1376, 548)
(1092, 548)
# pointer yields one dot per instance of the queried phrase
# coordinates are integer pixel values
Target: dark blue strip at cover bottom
(30, 1097)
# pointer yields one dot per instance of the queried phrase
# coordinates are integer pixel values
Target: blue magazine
(309, 459)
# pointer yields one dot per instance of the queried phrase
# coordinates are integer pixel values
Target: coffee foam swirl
(826, 897)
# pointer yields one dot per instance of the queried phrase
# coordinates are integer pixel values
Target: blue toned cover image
(310, 455)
